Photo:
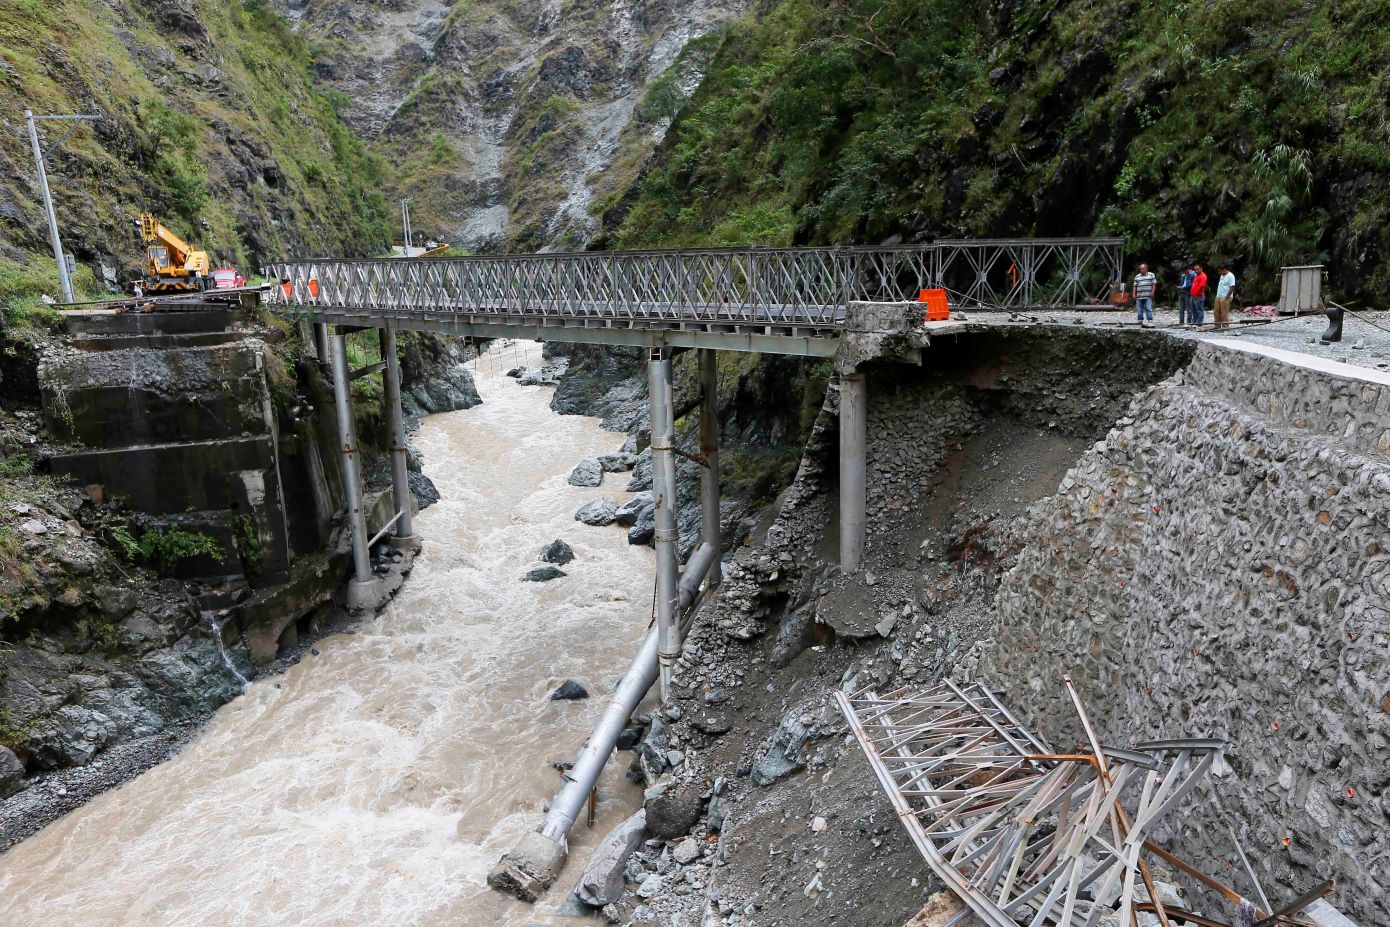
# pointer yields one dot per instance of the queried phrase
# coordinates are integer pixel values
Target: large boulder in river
(569, 691)
(627, 512)
(448, 390)
(597, 513)
(557, 552)
(643, 530)
(588, 473)
(617, 463)
(544, 574)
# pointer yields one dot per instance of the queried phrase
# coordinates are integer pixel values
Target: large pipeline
(535, 863)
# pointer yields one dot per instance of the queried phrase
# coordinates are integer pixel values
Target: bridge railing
(786, 286)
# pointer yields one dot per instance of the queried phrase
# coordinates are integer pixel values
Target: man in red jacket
(1196, 313)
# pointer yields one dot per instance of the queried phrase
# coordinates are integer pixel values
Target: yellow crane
(172, 265)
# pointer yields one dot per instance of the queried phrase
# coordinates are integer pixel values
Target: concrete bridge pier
(709, 448)
(854, 439)
(403, 537)
(664, 495)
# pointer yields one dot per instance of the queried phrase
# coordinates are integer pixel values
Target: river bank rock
(628, 512)
(449, 390)
(598, 513)
(557, 552)
(617, 463)
(11, 772)
(602, 881)
(587, 472)
(673, 810)
(569, 691)
(644, 527)
(543, 574)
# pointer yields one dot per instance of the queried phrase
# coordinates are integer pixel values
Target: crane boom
(171, 262)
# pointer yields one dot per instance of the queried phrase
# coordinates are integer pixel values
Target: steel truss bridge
(780, 300)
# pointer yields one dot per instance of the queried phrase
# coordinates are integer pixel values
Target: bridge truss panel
(737, 288)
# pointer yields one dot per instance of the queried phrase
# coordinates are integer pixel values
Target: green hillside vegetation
(210, 120)
(1249, 130)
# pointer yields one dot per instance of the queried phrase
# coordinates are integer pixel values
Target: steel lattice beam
(762, 291)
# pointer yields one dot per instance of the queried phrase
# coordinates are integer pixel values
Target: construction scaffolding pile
(1024, 834)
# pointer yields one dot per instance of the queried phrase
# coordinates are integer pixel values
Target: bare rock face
(509, 120)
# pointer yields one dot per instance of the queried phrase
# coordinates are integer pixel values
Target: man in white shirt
(1222, 307)
(1144, 285)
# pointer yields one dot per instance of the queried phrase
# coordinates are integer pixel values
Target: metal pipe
(395, 421)
(664, 497)
(580, 779)
(709, 447)
(384, 529)
(535, 863)
(703, 562)
(352, 477)
(64, 281)
(321, 340)
(854, 437)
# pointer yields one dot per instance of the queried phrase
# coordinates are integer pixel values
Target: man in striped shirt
(1144, 285)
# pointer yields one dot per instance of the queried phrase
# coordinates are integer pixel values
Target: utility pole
(405, 225)
(30, 120)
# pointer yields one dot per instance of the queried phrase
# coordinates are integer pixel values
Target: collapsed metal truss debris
(737, 287)
(1024, 834)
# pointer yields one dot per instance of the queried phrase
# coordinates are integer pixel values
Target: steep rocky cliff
(510, 123)
(210, 119)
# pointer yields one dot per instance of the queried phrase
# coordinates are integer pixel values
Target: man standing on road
(1185, 292)
(1197, 307)
(1225, 283)
(1144, 284)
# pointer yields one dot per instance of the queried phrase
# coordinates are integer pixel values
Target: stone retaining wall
(1219, 565)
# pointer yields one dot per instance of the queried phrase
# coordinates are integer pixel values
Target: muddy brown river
(378, 782)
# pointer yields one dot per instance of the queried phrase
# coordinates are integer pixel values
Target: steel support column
(363, 582)
(854, 437)
(404, 536)
(664, 496)
(321, 340)
(709, 447)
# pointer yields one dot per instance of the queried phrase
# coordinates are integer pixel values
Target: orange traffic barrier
(938, 306)
(287, 288)
(313, 289)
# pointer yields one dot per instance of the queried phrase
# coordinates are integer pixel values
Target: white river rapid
(376, 783)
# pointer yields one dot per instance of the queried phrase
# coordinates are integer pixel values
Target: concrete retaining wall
(1219, 565)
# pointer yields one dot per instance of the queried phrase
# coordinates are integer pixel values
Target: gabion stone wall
(1219, 565)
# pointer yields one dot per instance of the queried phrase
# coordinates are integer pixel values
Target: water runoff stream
(377, 782)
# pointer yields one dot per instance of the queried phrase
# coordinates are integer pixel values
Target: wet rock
(617, 463)
(449, 391)
(586, 473)
(569, 691)
(643, 530)
(557, 552)
(673, 812)
(629, 511)
(598, 513)
(629, 738)
(544, 574)
(601, 882)
(77, 733)
(422, 488)
(11, 772)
